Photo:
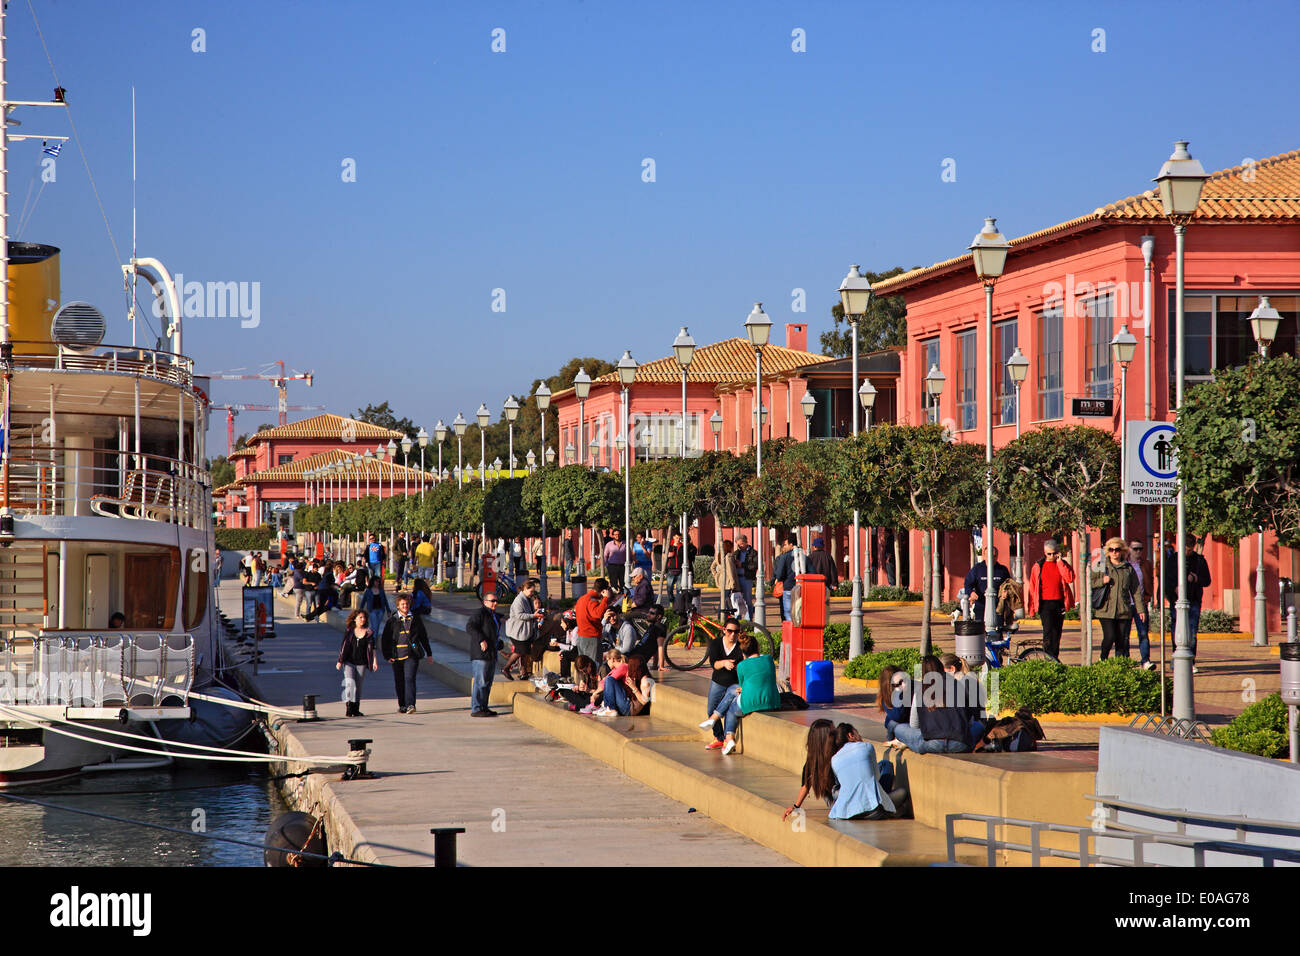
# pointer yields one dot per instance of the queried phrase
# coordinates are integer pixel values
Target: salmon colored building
(1067, 289)
(269, 480)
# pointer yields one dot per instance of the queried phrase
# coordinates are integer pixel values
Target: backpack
(792, 701)
(1017, 734)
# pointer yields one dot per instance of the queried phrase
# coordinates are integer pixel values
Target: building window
(283, 459)
(1005, 338)
(1051, 396)
(1098, 316)
(1217, 333)
(929, 404)
(967, 348)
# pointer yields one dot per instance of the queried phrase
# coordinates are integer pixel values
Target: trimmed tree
(1052, 479)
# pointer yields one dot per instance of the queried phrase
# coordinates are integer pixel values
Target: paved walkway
(524, 798)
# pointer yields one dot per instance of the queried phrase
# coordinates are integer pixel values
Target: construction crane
(233, 410)
(280, 380)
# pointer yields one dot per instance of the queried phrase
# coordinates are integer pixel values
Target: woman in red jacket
(1050, 594)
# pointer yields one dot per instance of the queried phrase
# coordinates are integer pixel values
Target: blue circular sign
(1142, 452)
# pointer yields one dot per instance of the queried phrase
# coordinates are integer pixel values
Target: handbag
(778, 589)
(1100, 596)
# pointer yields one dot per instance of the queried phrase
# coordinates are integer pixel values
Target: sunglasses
(731, 630)
(1137, 547)
(1116, 550)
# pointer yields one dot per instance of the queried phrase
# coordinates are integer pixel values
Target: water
(237, 803)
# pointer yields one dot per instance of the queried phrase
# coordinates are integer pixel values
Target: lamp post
(484, 418)
(867, 396)
(511, 410)
(1180, 181)
(684, 352)
(459, 425)
(530, 460)
(809, 405)
(626, 376)
(934, 383)
(392, 462)
(855, 298)
(366, 457)
(715, 425)
(440, 433)
(1122, 348)
(550, 455)
(407, 444)
(759, 329)
(989, 252)
(423, 438)
(1264, 322)
(581, 388)
(645, 436)
(1018, 369)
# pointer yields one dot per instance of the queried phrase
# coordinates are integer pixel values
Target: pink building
(1066, 291)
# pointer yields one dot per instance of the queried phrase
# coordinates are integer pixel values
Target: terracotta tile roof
(1268, 191)
(242, 453)
(294, 470)
(325, 426)
(730, 361)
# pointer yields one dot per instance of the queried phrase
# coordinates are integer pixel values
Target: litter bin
(969, 636)
(819, 682)
(577, 585)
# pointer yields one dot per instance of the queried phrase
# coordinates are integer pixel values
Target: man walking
(376, 555)
(1049, 594)
(746, 573)
(819, 562)
(590, 611)
(403, 644)
(1146, 577)
(1198, 579)
(399, 555)
(783, 573)
(425, 554)
(976, 583)
(484, 642)
(673, 556)
(615, 559)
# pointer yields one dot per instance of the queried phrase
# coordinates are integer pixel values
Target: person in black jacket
(355, 655)
(944, 714)
(403, 644)
(1198, 579)
(484, 641)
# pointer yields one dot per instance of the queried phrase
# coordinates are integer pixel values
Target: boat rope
(332, 858)
(200, 786)
(251, 704)
(237, 756)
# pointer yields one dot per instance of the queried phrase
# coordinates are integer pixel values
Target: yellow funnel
(33, 296)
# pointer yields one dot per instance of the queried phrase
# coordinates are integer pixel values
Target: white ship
(105, 509)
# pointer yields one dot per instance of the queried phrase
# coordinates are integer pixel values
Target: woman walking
(1121, 598)
(355, 655)
(375, 603)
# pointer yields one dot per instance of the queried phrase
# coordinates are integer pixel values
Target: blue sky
(522, 170)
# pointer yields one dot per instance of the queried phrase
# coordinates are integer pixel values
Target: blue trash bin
(819, 681)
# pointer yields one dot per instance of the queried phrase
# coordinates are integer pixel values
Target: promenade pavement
(524, 798)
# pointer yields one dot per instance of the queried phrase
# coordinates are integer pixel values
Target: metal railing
(1183, 727)
(139, 487)
(96, 669)
(118, 359)
(1139, 840)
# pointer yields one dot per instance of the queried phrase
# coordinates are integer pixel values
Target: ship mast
(6, 347)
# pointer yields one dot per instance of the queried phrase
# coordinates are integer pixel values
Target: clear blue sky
(523, 170)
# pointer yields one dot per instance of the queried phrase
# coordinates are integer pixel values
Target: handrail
(98, 668)
(1183, 817)
(120, 359)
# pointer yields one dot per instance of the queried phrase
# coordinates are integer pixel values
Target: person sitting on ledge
(641, 593)
(893, 697)
(861, 794)
(586, 679)
(615, 666)
(631, 695)
(817, 777)
(940, 705)
(755, 692)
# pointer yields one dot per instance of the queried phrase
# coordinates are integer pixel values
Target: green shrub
(245, 539)
(700, 571)
(1071, 615)
(1259, 729)
(1214, 621)
(868, 666)
(947, 607)
(843, 589)
(885, 592)
(835, 641)
(1033, 684)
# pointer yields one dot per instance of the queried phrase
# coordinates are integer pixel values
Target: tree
(242, 440)
(223, 471)
(1053, 479)
(384, 417)
(911, 476)
(1238, 448)
(884, 325)
(504, 511)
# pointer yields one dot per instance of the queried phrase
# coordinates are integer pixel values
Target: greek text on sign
(1151, 464)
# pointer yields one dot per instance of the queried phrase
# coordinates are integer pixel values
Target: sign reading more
(1151, 466)
(1092, 407)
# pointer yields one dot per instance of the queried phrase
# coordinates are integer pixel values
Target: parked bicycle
(687, 646)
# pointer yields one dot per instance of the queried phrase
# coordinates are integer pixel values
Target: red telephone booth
(804, 630)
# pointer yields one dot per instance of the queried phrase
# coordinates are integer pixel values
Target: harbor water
(237, 803)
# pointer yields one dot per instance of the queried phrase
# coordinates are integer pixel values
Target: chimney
(796, 336)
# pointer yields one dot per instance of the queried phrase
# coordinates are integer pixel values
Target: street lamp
(626, 376)
(1180, 181)
(496, 466)
(934, 383)
(407, 444)
(550, 455)
(512, 412)
(759, 328)
(1018, 369)
(459, 426)
(530, 460)
(1263, 323)
(989, 253)
(593, 450)
(715, 425)
(1122, 347)
(684, 351)
(366, 458)
(867, 396)
(855, 299)
(809, 405)
(646, 435)
(571, 453)
(392, 461)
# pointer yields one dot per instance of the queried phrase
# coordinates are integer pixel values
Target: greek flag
(52, 150)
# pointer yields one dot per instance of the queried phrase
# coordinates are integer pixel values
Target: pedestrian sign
(1151, 465)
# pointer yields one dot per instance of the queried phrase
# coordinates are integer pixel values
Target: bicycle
(687, 647)
(507, 589)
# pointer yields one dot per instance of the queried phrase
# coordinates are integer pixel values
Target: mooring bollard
(308, 708)
(358, 747)
(444, 845)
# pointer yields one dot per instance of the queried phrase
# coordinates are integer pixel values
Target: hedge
(245, 539)
(835, 641)
(1114, 686)
(868, 666)
(885, 592)
(1259, 729)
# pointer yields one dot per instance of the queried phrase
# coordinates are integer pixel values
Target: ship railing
(135, 487)
(97, 669)
(118, 359)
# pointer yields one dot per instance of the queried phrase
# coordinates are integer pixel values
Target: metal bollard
(308, 708)
(358, 747)
(444, 845)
